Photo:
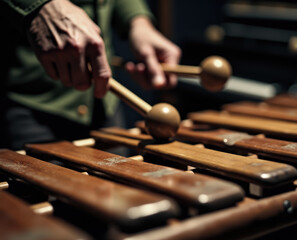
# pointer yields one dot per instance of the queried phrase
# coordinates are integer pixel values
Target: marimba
(228, 174)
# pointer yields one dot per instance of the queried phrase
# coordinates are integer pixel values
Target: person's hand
(68, 45)
(151, 48)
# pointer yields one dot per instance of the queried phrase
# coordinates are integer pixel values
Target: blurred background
(259, 38)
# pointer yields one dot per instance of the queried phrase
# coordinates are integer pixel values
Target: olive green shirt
(24, 80)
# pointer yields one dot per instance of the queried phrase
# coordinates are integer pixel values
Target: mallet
(214, 71)
(162, 120)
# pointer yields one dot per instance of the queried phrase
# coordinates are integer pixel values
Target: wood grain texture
(285, 151)
(18, 221)
(246, 123)
(262, 110)
(112, 202)
(203, 192)
(235, 141)
(260, 172)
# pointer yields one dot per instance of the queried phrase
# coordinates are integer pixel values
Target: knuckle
(177, 51)
(106, 74)
(145, 51)
(97, 45)
(75, 48)
(97, 29)
(102, 75)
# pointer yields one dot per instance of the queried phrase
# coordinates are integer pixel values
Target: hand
(65, 41)
(151, 47)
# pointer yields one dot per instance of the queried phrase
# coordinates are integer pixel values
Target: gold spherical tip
(215, 73)
(162, 121)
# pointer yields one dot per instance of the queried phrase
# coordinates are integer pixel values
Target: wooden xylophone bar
(269, 127)
(235, 141)
(263, 110)
(155, 198)
(18, 221)
(258, 173)
(105, 199)
(187, 188)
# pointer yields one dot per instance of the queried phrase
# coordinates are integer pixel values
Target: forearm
(127, 10)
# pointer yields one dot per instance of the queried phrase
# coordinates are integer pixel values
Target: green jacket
(24, 80)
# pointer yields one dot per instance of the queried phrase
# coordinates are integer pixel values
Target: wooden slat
(242, 142)
(18, 221)
(285, 151)
(260, 172)
(283, 100)
(262, 110)
(249, 221)
(116, 203)
(200, 191)
(246, 123)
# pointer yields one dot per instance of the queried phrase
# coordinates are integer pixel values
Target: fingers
(80, 76)
(155, 72)
(172, 57)
(71, 67)
(138, 72)
(49, 67)
(151, 47)
(99, 68)
(64, 72)
(150, 73)
(65, 40)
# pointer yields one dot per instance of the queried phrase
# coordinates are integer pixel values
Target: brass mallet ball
(215, 71)
(162, 121)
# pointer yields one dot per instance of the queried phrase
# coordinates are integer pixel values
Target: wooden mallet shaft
(162, 120)
(129, 97)
(126, 95)
(182, 70)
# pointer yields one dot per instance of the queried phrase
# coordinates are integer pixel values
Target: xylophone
(228, 174)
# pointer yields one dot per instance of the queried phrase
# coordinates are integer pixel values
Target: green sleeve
(16, 12)
(125, 10)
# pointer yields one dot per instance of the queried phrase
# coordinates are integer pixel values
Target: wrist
(140, 21)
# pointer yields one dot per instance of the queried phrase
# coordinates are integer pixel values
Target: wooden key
(162, 120)
(214, 71)
(242, 142)
(268, 127)
(262, 110)
(260, 172)
(239, 141)
(125, 206)
(18, 221)
(283, 100)
(200, 191)
(250, 220)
